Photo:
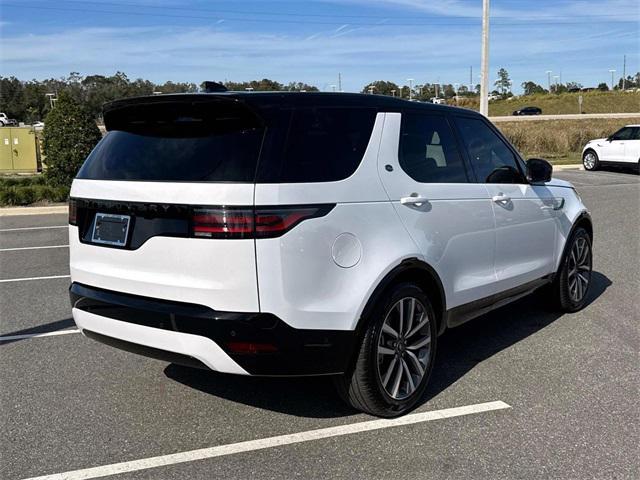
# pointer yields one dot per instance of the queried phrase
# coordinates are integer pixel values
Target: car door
(449, 218)
(525, 215)
(614, 148)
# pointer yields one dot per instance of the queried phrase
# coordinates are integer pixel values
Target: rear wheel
(573, 280)
(590, 160)
(396, 355)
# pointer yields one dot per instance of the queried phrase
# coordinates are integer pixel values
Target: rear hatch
(163, 206)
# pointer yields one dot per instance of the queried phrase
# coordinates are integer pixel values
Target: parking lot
(534, 394)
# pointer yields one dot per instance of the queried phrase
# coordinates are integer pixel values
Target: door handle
(414, 199)
(501, 198)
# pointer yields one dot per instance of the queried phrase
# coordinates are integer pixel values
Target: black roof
(263, 99)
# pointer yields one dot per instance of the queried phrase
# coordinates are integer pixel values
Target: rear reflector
(251, 348)
(261, 222)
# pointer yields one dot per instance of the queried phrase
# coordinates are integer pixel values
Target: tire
(590, 160)
(570, 288)
(385, 378)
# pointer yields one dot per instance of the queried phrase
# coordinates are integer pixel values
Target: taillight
(222, 223)
(73, 212)
(261, 222)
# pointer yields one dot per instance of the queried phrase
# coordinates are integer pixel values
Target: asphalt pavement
(568, 384)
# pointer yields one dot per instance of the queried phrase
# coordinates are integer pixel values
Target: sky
(313, 41)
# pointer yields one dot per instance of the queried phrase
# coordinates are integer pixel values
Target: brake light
(261, 222)
(73, 212)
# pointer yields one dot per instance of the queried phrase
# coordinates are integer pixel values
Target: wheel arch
(583, 220)
(415, 271)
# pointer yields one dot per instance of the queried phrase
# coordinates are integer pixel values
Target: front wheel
(572, 283)
(590, 160)
(396, 355)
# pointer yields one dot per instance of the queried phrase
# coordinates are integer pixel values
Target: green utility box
(18, 150)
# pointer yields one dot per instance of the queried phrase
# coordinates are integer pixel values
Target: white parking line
(38, 335)
(9, 280)
(31, 228)
(251, 445)
(31, 248)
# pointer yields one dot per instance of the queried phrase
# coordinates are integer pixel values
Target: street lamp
(410, 80)
(548, 72)
(612, 72)
(555, 78)
(51, 98)
(393, 93)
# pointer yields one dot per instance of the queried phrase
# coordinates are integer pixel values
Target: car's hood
(597, 140)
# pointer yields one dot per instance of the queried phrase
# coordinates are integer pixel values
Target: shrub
(69, 135)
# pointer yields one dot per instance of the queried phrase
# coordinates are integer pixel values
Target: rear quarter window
(319, 144)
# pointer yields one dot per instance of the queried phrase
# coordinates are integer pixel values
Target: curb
(573, 166)
(12, 211)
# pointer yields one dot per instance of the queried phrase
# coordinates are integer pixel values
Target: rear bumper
(231, 342)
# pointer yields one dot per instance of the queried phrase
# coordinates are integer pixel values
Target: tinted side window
(491, 158)
(636, 135)
(625, 133)
(428, 151)
(323, 145)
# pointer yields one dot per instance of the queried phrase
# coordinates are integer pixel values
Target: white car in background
(620, 149)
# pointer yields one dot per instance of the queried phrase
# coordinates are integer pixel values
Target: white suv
(312, 234)
(620, 149)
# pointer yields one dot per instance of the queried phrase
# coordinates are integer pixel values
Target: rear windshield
(225, 142)
(178, 142)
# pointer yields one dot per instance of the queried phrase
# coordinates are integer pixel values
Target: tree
(69, 135)
(531, 87)
(384, 87)
(300, 86)
(504, 82)
(603, 87)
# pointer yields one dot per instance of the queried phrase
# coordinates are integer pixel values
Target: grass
(29, 190)
(564, 103)
(559, 141)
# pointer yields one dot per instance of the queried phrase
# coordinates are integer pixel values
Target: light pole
(393, 93)
(484, 66)
(555, 79)
(612, 72)
(410, 80)
(51, 98)
(549, 80)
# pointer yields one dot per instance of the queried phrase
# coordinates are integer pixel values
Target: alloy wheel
(579, 269)
(404, 348)
(589, 160)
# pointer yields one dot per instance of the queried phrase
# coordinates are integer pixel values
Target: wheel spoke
(400, 316)
(407, 374)
(385, 351)
(421, 323)
(416, 363)
(396, 381)
(387, 375)
(412, 311)
(387, 329)
(421, 343)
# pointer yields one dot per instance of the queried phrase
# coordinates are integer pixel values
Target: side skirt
(463, 313)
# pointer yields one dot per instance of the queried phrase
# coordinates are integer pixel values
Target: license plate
(111, 229)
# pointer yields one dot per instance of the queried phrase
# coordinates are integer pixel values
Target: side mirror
(538, 170)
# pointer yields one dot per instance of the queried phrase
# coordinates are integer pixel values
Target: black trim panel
(296, 351)
(463, 313)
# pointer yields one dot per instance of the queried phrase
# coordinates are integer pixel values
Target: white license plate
(111, 229)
